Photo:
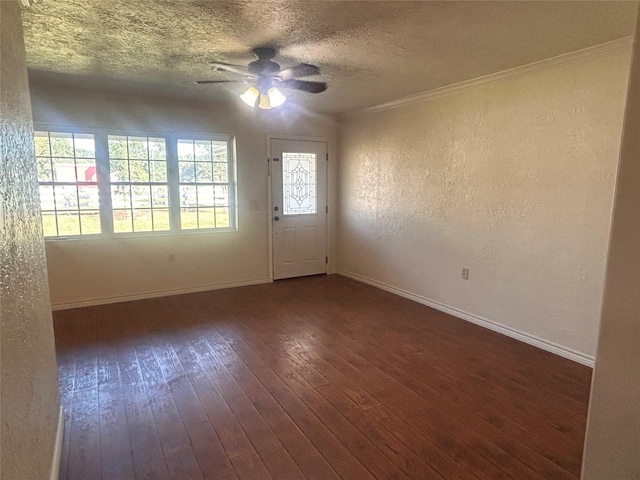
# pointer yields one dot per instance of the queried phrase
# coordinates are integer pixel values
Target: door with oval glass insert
(299, 207)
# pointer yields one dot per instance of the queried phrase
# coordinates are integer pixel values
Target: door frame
(301, 138)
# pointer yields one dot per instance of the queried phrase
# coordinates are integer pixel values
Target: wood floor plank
(281, 465)
(66, 334)
(172, 369)
(319, 378)
(451, 443)
(84, 454)
(565, 460)
(324, 440)
(332, 419)
(390, 446)
(229, 431)
(508, 461)
(543, 430)
(550, 465)
(179, 456)
(351, 469)
(422, 446)
(284, 346)
(213, 461)
(115, 449)
(254, 425)
(302, 451)
(146, 450)
(250, 467)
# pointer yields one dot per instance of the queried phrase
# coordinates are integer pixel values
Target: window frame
(230, 183)
(130, 183)
(61, 183)
(103, 174)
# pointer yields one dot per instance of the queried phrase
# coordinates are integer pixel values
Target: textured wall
(29, 395)
(97, 269)
(513, 179)
(613, 433)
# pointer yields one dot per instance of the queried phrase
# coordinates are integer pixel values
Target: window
(117, 183)
(139, 187)
(204, 184)
(67, 176)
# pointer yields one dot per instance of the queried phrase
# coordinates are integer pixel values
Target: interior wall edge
(614, 46)
(155, 294)
(57, 452)
(551, 347)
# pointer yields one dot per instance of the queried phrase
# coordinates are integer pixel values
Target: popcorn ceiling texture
(369, 52)
(513, 180)
(29, 396)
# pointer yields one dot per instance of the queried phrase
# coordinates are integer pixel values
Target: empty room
(319, 240)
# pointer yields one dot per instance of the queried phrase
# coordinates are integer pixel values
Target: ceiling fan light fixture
(264, 103)
(264, 74)
(250, 97)
(276, 98)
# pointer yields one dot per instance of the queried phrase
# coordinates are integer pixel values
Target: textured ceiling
(369, 52)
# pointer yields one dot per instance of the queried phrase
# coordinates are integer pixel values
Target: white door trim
(302, 138)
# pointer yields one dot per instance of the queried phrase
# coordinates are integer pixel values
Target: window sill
(117, 236)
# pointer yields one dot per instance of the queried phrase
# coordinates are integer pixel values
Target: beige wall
(95, 270)
(612, 448)
(29, 403)
(512, 179)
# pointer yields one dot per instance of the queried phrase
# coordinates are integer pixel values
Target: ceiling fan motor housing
(264, 65)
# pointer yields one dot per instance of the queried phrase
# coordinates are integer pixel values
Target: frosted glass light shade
(250, 96)
(264, 103)
(276, 98)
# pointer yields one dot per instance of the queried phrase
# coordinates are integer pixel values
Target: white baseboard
(483, 322)
(155, 294)
(57, 449)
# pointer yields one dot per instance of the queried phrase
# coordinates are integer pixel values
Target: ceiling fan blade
(304, 85)
(225, 67)
(302, 70)
(203, 82)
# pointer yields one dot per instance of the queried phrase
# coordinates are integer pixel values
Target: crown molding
(589, 52)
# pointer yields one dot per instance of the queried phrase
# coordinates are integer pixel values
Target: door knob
(276, 208)
(276, 218)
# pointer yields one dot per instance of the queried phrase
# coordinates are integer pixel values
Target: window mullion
(104, 186)
(231, 183)
(173, 181)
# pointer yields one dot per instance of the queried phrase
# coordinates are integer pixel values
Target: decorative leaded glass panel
(299, 181)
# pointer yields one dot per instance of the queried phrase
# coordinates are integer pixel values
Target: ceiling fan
(265, 77)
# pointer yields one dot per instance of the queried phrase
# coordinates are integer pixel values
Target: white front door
(299, 207)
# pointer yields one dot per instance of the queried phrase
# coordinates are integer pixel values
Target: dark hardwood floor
(320, 378)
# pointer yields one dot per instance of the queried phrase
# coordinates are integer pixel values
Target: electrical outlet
(465, 273)
(254, 205)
